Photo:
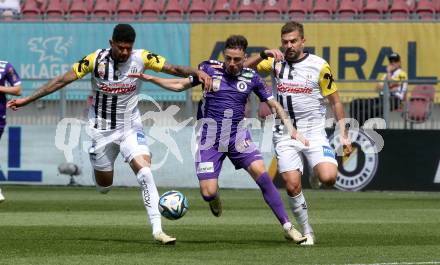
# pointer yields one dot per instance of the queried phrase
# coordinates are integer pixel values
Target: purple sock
(272, 197)
(209, 198)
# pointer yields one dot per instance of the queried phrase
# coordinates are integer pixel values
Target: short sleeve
(12, 76)
(152, 61)
(265, 66)
(326, 81)
(261, 90)
(84, 66)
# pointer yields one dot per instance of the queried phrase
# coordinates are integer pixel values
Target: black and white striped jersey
(115, 94)
(302, 87)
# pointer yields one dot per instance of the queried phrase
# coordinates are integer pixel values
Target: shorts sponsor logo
(205, 167)
(141, 138)
(328, 151)
(358, 169)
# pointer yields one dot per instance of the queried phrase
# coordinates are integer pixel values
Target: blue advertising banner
(41, 51)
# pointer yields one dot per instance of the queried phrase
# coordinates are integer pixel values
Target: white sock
(150, 197)
(287, 226)
(298, 206)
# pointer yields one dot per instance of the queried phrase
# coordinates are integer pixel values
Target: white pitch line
(399, 263)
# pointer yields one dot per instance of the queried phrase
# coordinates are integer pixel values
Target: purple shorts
(240, 150)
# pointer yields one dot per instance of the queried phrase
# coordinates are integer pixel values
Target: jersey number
(152, 55)
(330, 79)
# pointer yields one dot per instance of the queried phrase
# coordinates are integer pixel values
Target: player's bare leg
(150, 196)
(326, 172)
(103, 180)
(272, 197)
(298, 203)
(209, 192)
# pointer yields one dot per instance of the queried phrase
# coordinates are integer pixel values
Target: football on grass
(173, 204)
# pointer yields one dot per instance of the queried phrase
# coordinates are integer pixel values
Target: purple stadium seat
(299, 9)
(426, 9)
(127, 9)
(349, 9)
(248, 9)
(199, 9)
(324, 9)
(274, 9)
(375, 9)
(151, 10)
(223, 9)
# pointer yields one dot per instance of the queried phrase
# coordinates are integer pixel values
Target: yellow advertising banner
(355, 51)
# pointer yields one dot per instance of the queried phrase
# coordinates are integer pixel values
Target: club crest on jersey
(101, 69)
(277, 68)
(242, 86)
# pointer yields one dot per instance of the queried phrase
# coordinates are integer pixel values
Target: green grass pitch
(61, 225)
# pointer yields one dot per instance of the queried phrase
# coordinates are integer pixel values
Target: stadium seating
(151, 10)
(224, 9)
(104, 9)
(248, 9)
(128, 9)
(426, 9)
(174, 10)
(80, 10)
(375, 9)
(349, 9)
(56, 10)
(401, 9)
(31, 10)
(274, 9)
(199, 9)
(299, 9)
(419, 106)
(324, 9)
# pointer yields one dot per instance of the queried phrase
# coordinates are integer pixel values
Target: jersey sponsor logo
(242, 86)
(328, 151)
(358, 169)
(216, 84)
(117, 88)
(294, 88)
(205, 167)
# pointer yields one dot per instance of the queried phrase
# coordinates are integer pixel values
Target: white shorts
(107, 145)
(288, 152)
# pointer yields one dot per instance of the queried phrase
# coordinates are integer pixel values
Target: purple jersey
(229, 95)
(7, 74)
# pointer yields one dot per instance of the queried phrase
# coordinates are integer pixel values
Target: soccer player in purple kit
(9, 75)
(224, 107)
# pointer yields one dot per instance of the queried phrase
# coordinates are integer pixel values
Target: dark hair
(124, 33)
(236, 42)
(292, 26)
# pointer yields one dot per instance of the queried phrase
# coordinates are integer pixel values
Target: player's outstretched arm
(11, 90)
(173, 84)
(274, 105)
(185, 71)
(254, 60)
(48, 88)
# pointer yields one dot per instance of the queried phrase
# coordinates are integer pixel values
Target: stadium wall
(409, 160)
(40, 51)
